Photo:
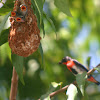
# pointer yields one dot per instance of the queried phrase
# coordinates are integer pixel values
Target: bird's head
(64, 60)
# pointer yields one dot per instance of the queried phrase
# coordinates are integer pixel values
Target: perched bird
(76, 68)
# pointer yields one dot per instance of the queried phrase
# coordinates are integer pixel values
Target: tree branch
(92, 70)
(65, 87)
(14, 85)
(61, 90)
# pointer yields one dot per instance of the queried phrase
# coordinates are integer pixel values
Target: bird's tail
(98, 83)
(91, 79)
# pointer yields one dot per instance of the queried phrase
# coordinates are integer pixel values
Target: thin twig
(92, 70)
(61, 90)
(14, 85)
(65, 87)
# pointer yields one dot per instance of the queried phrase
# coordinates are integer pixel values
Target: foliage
(18, 64)
(53, 86)
(4, 36)
(98, 69)
(72, 92)
(88, 61)
(3, 22)
(80, 78)
(63, 5)
(41, 51)
(77, 36)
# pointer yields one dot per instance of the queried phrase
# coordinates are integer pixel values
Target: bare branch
(14, 85)
(92, 70)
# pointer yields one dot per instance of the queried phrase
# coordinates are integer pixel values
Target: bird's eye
(13, 14)
(23, 8)
(18, 19)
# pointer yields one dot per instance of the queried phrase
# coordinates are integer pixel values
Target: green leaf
(3, 22)
(88, 61)
(39, 5)
(9, 2)
(42, 26)
(41, 51)
(45, 98)
(7, 7)
(36, 12)
(39, 13)
(80, 78)
(63, 5)
(18, 64)
(53, 86)
(4, 36)
(98, 69)
(50, 21)
(72, 92)
(85, 96)
(4, 11)
(48, 98)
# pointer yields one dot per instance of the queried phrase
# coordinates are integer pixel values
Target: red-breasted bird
(76, 68)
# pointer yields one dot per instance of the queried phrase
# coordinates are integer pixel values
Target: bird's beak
(63, 61)
(60, 62)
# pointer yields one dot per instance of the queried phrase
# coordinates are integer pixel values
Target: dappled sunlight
(33, 66)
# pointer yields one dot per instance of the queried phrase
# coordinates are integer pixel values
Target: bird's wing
(80, 65)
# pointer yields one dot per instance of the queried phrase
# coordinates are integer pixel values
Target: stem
(14, 85)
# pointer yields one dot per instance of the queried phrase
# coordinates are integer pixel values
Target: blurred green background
(77, 37)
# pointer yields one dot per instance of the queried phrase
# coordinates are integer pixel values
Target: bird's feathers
(80, 65)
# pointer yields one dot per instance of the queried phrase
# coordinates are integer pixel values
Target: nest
(24, 37)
